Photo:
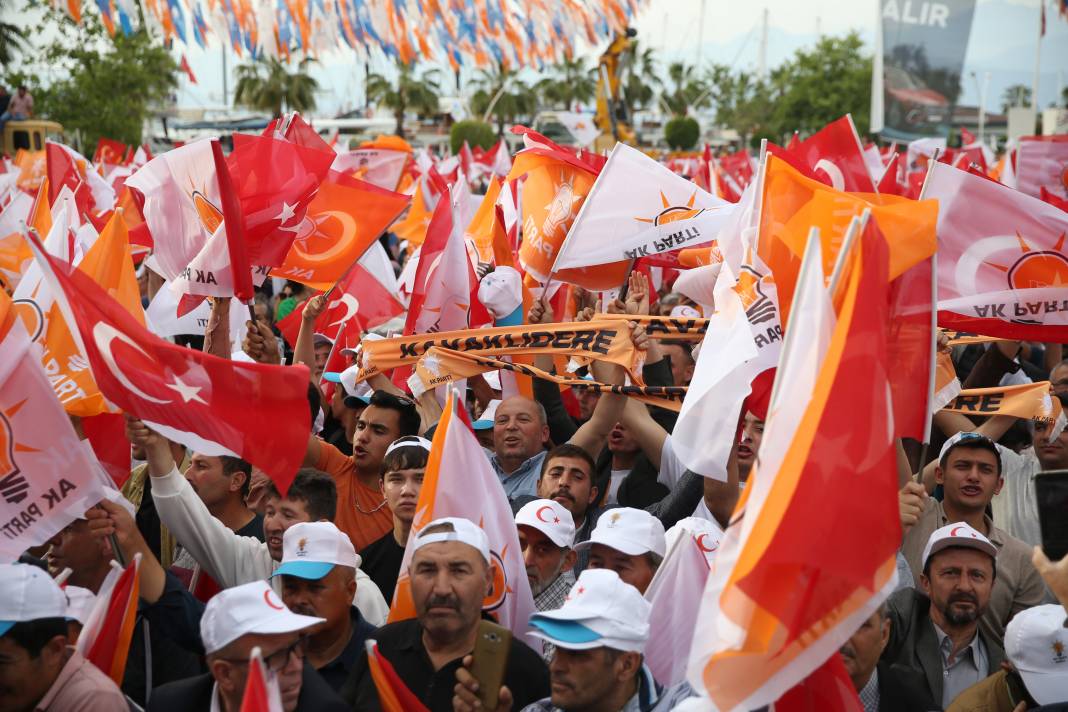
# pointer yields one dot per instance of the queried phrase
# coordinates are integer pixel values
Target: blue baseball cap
(485, 421)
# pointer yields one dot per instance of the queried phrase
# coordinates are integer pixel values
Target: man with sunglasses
(362, 510)
(235, 622)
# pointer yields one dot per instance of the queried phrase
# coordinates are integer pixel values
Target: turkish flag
(63, 171)
(109, 152)
(359, 297)
(834, 156)
(345, 217)
(275, 181)
(213, 406)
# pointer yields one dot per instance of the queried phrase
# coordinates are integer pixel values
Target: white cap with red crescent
(957, 534)
(551, 519)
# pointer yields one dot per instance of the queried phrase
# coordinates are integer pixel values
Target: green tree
(819, 85)
(685, 89)
(499, 92)
(106, 87)
(419, 93)
(1016, 95)
(572, 82)
(267, 84)
(742, 101)
(12, 39)
(640, 78)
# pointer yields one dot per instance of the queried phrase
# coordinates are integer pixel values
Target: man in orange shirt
(362, 512)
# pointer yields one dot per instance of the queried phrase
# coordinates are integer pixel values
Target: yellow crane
(611, 117)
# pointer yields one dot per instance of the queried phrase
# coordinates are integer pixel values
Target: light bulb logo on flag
(561, 207)
(32, 316)
(500, 588)
(673, 213)
(13, 485)
(1024, 266)
(750, 288)
(210, 216)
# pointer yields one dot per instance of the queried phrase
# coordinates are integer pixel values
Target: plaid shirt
(869, 694)
(555, 594)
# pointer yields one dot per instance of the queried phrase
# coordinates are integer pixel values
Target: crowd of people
(229, 564)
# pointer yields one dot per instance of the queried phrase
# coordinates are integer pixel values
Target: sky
(1003, 42)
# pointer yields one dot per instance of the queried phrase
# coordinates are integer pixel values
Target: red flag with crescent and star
(199, 400)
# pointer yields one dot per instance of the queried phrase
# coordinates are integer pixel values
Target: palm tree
(501, 93)
(688, 89)
(410, 92)
(1015, 95)
(572, 83)
(12, 39)
(267, 84)
(641, 78)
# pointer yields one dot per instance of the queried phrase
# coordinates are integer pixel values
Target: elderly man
(38, 671)
(599, 635)
(880, 687)
(546, 536)
(935, 635)
(630, 542)
(235, 622)
(318, 575)
(450, 576)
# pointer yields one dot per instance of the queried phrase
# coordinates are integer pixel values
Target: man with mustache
(546, 535)
(935, 637)
(450, 576)
(318, 574)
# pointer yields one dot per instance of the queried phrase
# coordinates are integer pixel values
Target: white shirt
(613, 485)
(1015, 507)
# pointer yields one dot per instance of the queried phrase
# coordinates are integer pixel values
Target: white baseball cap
(971, 439)
(684, 311)
(322, 339)
(249, 608)
(707, 535)
(311, 550)
(369, 336)
(485, 421)
(630, 531)
(958, 534)
(1036, 643)
(80, 602)
(600, 611)
(501, 292)
(356, 394)
(28, 594)
(551, 519)
(463, 530)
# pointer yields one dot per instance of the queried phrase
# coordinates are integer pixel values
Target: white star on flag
(186, 391)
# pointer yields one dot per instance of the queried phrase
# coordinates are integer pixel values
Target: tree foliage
(501, 93)
(408, 91)
(682, 132)
(685, 89)
(476, 133)
(641, 78)
(106, 87)
(267, 84)
(12, 38)
(1016, 95)
(571, 82)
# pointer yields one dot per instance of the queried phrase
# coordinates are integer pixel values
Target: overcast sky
(1003, 41)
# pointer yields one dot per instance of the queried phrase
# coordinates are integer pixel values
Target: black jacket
(194, 695)
(902, 689)
(913, 646)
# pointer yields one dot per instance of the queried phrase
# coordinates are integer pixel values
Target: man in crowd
(38, 671)
(363, 512)
(318, 574)
(880, 687)
(935, 636)
(403, 468)
(450, 575)
(231, 559)
(630, 542)
(235, 622)
(222, 483)
(546, 536)
(598, 636)
(680, 356)
(970, 472)
(19, 108)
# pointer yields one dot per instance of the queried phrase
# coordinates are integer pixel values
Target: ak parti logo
(1035, 269)
(210, 215)
(673, 213)
(13, 484)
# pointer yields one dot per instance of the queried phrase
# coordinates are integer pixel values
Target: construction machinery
(612, 115)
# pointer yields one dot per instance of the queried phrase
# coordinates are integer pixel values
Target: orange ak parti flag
(109, 264)
(792, 204)
(780, 602)
(342, 221)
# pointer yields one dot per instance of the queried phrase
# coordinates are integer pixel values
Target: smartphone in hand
(490, 661)
(1051, 491)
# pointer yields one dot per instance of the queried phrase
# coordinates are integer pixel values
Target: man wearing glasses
(235, 622)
